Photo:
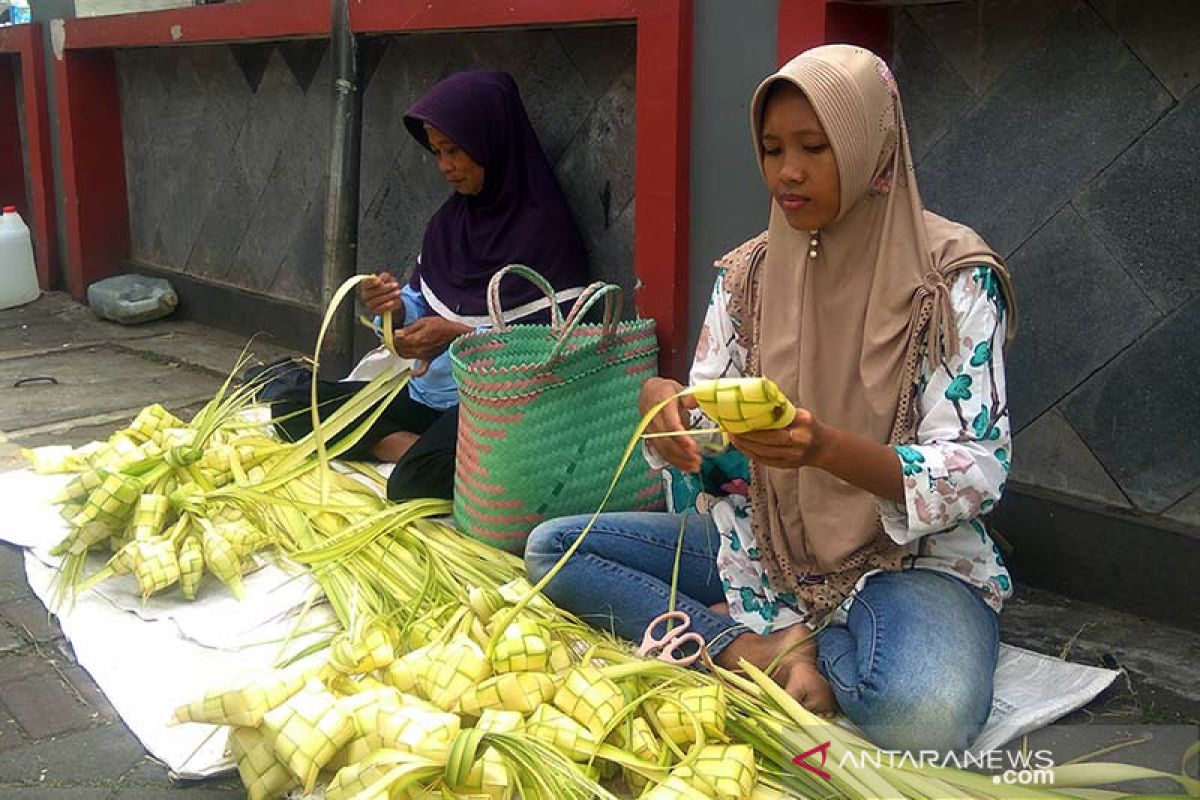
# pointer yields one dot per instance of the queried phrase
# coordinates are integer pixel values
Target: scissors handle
(651, 642)
(665, 647)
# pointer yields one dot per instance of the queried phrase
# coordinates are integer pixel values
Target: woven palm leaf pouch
(545, 414)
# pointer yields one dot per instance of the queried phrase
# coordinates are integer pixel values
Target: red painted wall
(93, 164)
(12, 168)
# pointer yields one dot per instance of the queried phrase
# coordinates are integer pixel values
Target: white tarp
(150, 657)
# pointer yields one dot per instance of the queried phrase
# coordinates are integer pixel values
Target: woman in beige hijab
(849, 543)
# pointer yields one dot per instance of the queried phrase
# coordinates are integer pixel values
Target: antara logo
(802, 760)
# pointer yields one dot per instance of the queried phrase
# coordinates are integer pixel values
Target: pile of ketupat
(452, 676)
(173, 499)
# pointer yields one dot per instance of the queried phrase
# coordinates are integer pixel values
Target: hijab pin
(812, 244)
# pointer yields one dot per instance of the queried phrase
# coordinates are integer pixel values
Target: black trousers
(426, 470)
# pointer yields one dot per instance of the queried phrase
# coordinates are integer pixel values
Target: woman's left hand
(795, 446)
(427, 338)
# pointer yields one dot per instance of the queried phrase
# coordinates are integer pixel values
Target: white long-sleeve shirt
(953, 473)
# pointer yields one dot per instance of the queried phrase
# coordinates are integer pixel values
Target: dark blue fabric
(520, 217)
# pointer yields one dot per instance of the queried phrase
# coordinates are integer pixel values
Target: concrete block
(1163, 34)
(1138, 414)
(1078, 309)
(1145, 205)
(934, 94)
(1042, 132)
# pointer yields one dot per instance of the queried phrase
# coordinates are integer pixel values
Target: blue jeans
(912, 666)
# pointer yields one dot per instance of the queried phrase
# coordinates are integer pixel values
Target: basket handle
(613, 296)
(496, 311)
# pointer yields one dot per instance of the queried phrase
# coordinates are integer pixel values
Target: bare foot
(796, 670)
(392, 447)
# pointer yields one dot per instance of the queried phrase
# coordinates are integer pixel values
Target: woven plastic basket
(545, 414)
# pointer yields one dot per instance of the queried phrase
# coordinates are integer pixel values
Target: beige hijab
(843, 333)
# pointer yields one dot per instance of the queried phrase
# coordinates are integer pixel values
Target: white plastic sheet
(151, 657)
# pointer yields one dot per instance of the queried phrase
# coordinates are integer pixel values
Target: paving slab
(13, 590)
(10, 639)
(215, 351)
(45, 705)
(22, 665)
(55, 792)
(10, 733)
(92, 380)
(55, 321)
(87, 690)
(151, 779)
(12, 563)
(189, 791)
(99, 755)
(30, 616)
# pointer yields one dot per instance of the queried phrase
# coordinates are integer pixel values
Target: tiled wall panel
(226, 149)
(1065, 131)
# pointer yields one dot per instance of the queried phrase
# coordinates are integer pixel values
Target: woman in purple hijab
(507, 208)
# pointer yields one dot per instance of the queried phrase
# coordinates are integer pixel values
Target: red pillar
(12, 170)
(93, 165)
(37, 209)
(661, 184)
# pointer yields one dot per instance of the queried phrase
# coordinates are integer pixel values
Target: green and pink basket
(546, 412)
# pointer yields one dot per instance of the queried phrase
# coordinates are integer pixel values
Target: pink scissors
(667, 647)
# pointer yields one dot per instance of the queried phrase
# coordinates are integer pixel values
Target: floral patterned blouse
(953, 473)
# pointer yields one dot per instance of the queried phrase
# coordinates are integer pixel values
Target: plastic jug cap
(10, 209)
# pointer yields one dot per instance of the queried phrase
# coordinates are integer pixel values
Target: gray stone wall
(1065, 131)
(226, 149)
(225, 155)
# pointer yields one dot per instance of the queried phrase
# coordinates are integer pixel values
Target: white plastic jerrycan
(18, 277)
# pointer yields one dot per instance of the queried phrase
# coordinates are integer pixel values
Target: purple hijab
(520, 217)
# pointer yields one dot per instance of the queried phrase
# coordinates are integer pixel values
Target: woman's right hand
(681, 452)
(380, 293)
